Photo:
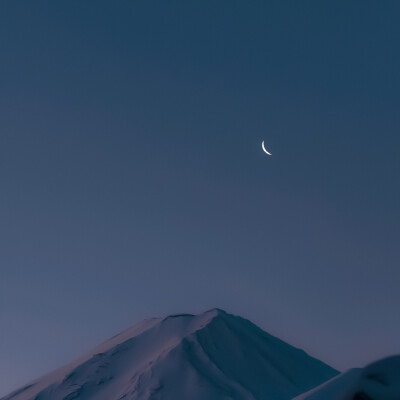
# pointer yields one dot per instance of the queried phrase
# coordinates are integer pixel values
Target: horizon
(104, 341)
(134, 182)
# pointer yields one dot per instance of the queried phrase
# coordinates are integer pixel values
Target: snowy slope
(378, 381)
(213, 356)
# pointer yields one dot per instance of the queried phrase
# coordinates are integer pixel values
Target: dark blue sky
(133, 184)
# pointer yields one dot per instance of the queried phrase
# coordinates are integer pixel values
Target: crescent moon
(265, 150)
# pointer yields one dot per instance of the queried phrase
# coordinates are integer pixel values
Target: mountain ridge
(378, 380)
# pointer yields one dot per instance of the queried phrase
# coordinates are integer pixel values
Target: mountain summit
(213, 356)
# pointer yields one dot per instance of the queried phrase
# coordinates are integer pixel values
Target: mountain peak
(210, 312)
(217, 310)
(210, 355)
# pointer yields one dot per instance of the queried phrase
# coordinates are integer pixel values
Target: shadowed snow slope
(210, 356)
(377, 381)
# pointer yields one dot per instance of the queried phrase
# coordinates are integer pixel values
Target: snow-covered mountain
(377, 381)
(210, 356)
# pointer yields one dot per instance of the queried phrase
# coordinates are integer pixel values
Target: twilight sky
(133, 183)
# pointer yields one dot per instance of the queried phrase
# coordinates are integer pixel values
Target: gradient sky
(133, 183)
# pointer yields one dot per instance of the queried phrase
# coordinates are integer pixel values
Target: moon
(265, 150)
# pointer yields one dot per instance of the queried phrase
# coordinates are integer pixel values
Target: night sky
(133, 183)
